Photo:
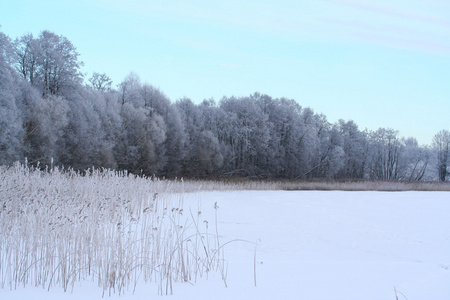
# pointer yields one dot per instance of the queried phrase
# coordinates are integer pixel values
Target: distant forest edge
(50, 114)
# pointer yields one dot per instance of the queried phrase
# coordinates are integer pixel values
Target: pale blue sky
(382, 63)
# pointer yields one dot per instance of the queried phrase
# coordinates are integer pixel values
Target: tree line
(49, 114)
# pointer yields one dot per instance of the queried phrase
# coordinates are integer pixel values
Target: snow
(312, 245)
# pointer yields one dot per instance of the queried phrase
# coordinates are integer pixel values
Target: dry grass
(388, 186)
(57, 228)
(318, 185)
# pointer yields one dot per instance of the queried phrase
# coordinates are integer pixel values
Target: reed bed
(243, 184)
(366, 185)
(60, 227)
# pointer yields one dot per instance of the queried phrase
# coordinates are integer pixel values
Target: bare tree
(49, 63)
(11, 131)
(26, 57)
(385, 148)
(100, 82)
(441, 142)
(355, 148)
(129, 90)
(415, 160)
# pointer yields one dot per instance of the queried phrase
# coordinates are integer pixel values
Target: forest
(52, 114)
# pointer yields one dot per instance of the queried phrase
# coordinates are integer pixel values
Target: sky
(383, 63)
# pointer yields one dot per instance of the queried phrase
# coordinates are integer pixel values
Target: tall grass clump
(58, 227)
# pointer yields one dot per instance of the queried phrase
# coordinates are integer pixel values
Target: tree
(140, 149)
(147, 118)
(27, 53)
(415, 159)
(49, 63)
(129, 90)
(106, 108)
(288, 134)
(192, 121)
(45, 120)
(209, 154)
(158, 104)
(11, 130)
(329, 154)
(247, 132)
(355, 149)
(441, 143)
(100, 82)
(385, 148)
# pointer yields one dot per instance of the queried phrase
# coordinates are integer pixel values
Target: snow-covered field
(311, 245)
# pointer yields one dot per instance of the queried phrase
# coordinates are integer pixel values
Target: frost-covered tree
(193, 125)
(26, 49)
(11, 130)
(441, 143)
(83, 135)
(209, 154)
(100, 82)
(211, 138)
(415, 159)
(152, 134)
(329, 153)
(45, 126)
(139, 149)
(248, 136)
(355, 150)
(129, 90)
(107, 108)
(49, 62)
(145, 130)
(157, 103)
(385, 147)
(288, 134)
(45, 113)
(204, 152)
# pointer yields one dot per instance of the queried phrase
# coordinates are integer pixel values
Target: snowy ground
(314, 245)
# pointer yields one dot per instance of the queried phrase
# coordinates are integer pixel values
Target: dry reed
(59, 227)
